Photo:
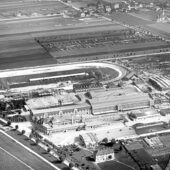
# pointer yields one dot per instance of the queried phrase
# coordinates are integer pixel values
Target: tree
(30, 136)
(22, 132)
(37, 141)
(8, 123)
(81, 8)
(113, 141)
(48, 150)
(117, 148)
(32, 131)
(162, 5)
(61, 158)
(71, 165)
(16, 127)
(77, 165)
(105, 140)
(98, 75)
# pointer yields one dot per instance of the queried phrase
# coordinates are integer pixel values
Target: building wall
(134, 105)
(105, 157)
(63, 112)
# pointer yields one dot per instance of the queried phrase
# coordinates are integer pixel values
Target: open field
(14, 1)
(22, 51)
(17, 158)
(85, 26)
(19, 51)
(30, 16)
(163, 28)
(8, 162)
(47, 23)
(23, 9)
(118, 40)
(126, 18)
(156, 64)
(148, 15)
(110, 165)
(82, 3)
(141, 22)
(154, 128)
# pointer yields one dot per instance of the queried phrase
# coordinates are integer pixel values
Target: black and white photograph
(84, 84)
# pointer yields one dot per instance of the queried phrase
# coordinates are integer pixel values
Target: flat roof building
(161, 83)
(107, 102)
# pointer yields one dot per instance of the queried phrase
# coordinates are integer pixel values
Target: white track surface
(66, 67)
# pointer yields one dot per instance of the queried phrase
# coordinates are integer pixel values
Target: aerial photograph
(84, 84)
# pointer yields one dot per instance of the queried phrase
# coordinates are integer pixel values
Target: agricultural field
(150, 1)
(32, 9)
(156, 64)
(15, 157)
(109, 165)
(118, 40)
(163, 28)
(82, 3)
(146, 14)
(143, 21)
(150, 129)
(112, 1)
(22, 51)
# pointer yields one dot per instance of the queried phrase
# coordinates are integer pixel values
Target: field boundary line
(19, 160)
(31, 151)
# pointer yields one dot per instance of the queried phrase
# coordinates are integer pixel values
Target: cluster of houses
(108, 6)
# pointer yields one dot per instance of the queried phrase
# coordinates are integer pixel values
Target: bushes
(22, 132)
(48, 150)
(37, 141)
(16, 127)
(49, 143)
(8, 123)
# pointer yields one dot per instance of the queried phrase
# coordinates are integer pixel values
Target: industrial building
(72, 111)
(160, 82)
(89, 139)
(107, 102)
(103, 154)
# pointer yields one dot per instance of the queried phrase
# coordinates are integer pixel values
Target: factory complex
(82, 111)
(85, 84)
(55, 105)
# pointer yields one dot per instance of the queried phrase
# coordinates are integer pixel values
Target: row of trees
(35, 135)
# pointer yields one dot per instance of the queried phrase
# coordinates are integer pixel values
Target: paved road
(14, 157)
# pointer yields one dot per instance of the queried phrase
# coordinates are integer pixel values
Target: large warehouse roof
(108, 102)
(52, 101)
(106, 97)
